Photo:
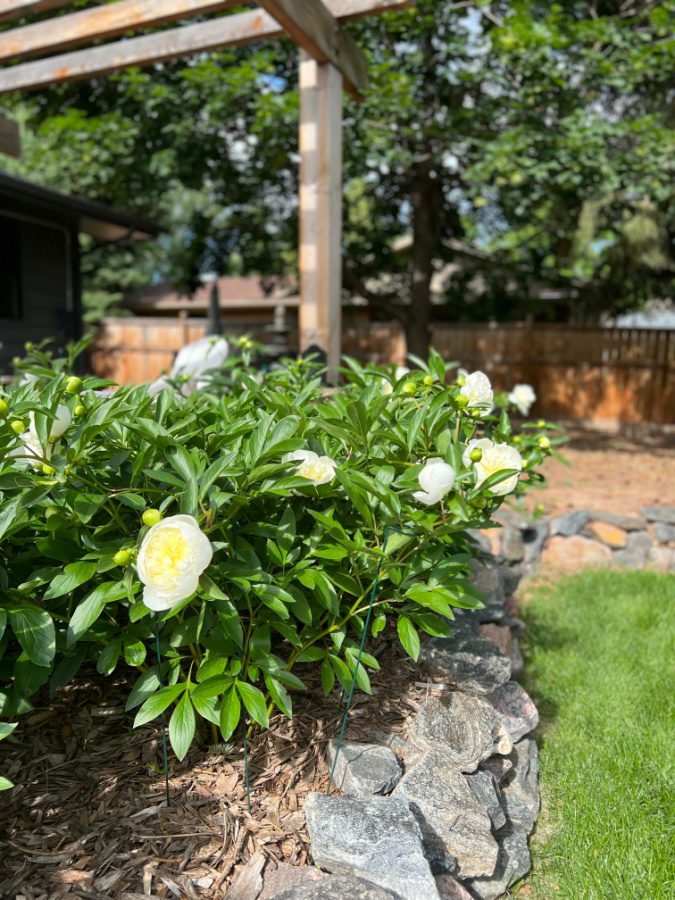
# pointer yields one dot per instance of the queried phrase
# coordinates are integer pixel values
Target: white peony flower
(173, 555)
(200, 356)
(522, 396)
(319, 469)
(436, 479)
(157, 386)
(60, 425)
(387, 386)
(31, 442)
(495, 458)
(478, 391)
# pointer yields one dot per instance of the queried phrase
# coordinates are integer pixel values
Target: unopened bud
(428, 380)
(17, 426)
(476, 454)
(151, 517)
(4, 409)
(544, 442)
(409, 387)
(73, 385)
(122, 558)
(462, 401)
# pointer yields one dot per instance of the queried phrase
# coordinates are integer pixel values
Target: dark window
(10, 269)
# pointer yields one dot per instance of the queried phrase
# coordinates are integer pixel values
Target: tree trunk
(426, 199)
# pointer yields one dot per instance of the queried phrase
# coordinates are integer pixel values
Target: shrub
(290, 500)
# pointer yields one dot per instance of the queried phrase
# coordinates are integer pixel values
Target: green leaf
(133, 501)
(182, 726)
(157, 703)
(72, 577)
(145, 685)
(327, 677)
(34, 630)
(254, 701)
(409, 637)
(230, 713)
(109, 656)
(134, 651)
(6, 728)
(280, 695)
(5, 783)
(88, 611)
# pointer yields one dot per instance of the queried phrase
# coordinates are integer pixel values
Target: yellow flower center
(167, 556)
(313, 470)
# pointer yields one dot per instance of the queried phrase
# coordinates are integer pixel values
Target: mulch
(88, 817)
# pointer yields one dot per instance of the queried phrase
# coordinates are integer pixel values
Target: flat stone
(363, 769)
(499, 766)
(374, 838)
(534, 537)
(500, 635)
(573, 553)
(485, 788)
(571, 523)
(662, 558)
(512, 544)
(510, 579)
(465, 624)
(281, 876)
(466, 728)
(518, 712)
(609, 534)
(634, 554)
(451, 889)
(513, 862)
(628, 523)
(474, 664)
(520, 794)
(455, 826)
(336, 887)
(486, 578)
(406, 751)
(664, 534)
(664, 514)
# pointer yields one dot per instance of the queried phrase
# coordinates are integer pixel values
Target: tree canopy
(534, 138)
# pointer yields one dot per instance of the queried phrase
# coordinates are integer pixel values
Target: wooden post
(321, 209)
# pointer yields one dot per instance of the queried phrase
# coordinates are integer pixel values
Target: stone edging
(446, 814)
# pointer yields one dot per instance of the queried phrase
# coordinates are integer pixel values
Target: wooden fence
(602, 374)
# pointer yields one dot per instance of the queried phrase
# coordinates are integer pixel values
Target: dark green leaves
(34, 630)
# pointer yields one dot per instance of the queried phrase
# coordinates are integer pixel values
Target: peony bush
(237, 520)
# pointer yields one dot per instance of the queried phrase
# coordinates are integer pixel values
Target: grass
(600, 666)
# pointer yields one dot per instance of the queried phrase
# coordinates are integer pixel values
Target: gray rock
(336, 887)
(510, 579)
(374, 838)
(466, 728)
(465, 624)
(499, 766)
(571, 523)
(480, 539)
(534, 538)
(474, 664)
(517, 661)
(455, 827)
(363, 769)
(518, 712)
(451, 889)
(513, 863)
(665, 514)
(634, 554)
(520, 794)
(486, 578)
(512, 545)
(663, 533)
(280, 877)
(628, 523)
(485, 788)
(407, 752)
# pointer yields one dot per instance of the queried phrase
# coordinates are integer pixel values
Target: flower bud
(51, 511)
(47, 469)
(16, 361)
(461, 401)
(409, 387)
(428, 380)
(461, 380)
(73, 385)
(122, 558)
(541, 424)
(80, 409)
(476, 454)
(151, 517)
(17, 426)
(517, 439)
(544, 442)
(28, 346)
(4, 409)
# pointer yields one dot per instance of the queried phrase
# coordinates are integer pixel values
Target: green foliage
(294, 559)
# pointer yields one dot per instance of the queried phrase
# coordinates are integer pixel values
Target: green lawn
(600, 664)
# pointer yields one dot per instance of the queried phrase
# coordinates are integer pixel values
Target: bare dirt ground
(612, 472)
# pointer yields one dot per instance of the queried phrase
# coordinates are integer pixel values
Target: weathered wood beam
(15, 9)
(321, 209)
(109, 20)
(10, 138)
(216, 34)
(316, 31)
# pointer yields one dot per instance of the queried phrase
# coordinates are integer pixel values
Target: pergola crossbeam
(186, 40)
(101, 22)
(15, 9)
(316, 31)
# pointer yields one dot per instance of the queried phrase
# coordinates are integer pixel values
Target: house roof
(97, 219)
(235, 293)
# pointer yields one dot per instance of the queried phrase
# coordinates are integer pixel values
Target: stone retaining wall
(445, 812)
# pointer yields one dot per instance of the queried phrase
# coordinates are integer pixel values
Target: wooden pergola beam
(15, 9)
(202, 37)
(109, 20)
(316, 31)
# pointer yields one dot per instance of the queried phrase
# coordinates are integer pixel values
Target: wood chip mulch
(88, 817)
